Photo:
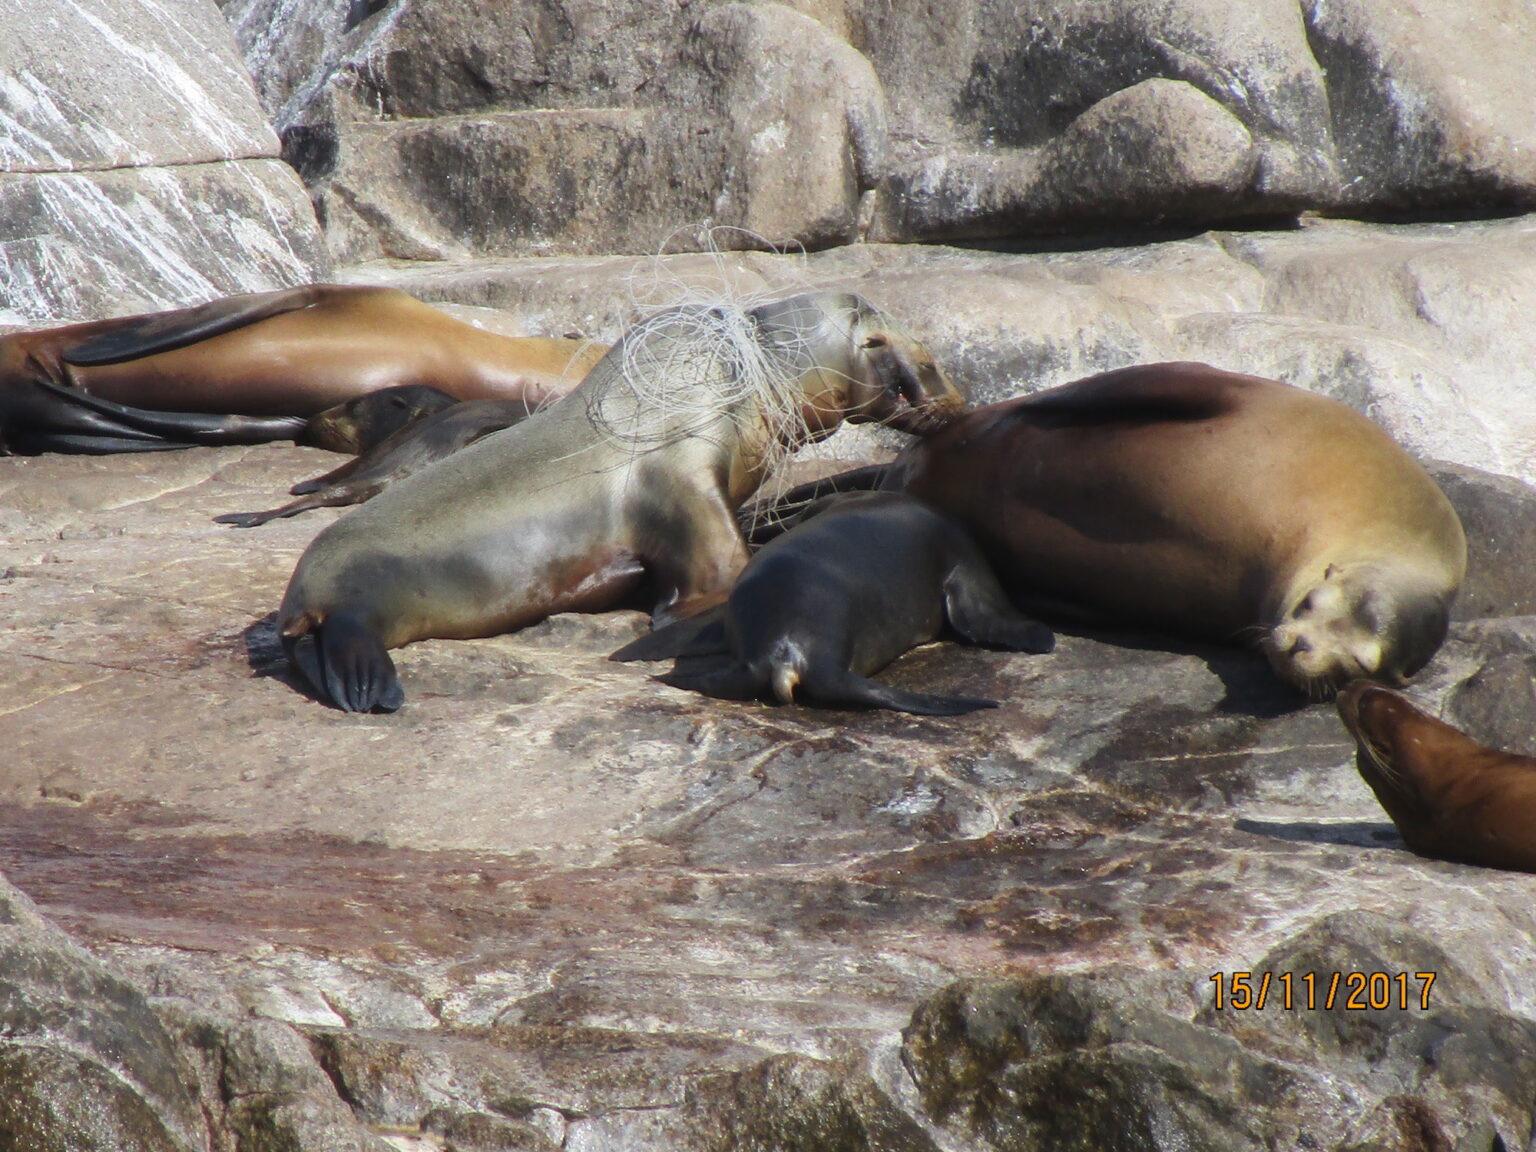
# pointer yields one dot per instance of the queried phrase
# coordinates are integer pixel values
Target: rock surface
(554, 903)
(604, 126)
(137, 169)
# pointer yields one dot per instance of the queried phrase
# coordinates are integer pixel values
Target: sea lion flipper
(85, 412)
(733, 682)
(760, 525)
(347, 663)
(979, 610)
(845, 687)
(701, 635)
(131, 337)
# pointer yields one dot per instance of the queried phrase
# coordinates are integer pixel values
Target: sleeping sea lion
(364, 422)
(1450, 797)
(402, 454)
(239, 369)
(823, 607)
(635, 475)
(1206, 503)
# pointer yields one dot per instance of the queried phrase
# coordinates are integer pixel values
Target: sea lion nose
(1300, 647)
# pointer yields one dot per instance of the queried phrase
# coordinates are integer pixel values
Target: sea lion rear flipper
(345, 662)
(979, 610)
(702, 635)
(131, 337)
(87, 413)
(844, 687)
(1140, 394)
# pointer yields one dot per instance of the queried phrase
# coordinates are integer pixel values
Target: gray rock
(81, 246)
(1499, 515)
(137, 170)
(119, 85)
(1004, 120)
(85, 1066)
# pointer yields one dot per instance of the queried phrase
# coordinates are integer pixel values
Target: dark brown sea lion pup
(403, 454)
(365, 422)
(634, 476)
(208, 374)
(1206, 503)
(1450, 797)
(825, 606)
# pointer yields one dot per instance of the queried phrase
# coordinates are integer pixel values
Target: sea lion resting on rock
(1450, 797)
(364, 422)
(406, 452)
(1208, 503)
(248, 369)
(636, 474)
(837, 599)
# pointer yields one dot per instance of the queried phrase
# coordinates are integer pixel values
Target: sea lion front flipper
(346, 663)
(733, 682)
(760, 525)
(701, 635)
(845, 687)
(131, 337)
(978, 609)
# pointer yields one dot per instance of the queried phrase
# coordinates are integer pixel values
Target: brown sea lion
(1207, 503)
(402, 454)
(634, 476)
(238, 369)
(862, 579)
(364, 422)
(1450, 797)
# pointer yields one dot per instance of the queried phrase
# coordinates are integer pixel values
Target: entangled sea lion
(1450, 797)
(862, 579)
(634, 476)
(402, 454)
(1207, 503)
(239, 369)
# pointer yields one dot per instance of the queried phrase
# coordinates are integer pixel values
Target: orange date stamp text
(1309, 991)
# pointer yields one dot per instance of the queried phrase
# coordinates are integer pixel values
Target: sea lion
(1450, 797)
(402, 454)
(1206, 503)
(257, 361)
(825, 606)
(635, 475)
(364, 422)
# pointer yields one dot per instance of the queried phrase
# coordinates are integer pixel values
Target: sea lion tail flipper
(701, 635)
(346, 662)
(131, 337)
(845, 687)
(733, 682)
(191, 428)
(979, 610)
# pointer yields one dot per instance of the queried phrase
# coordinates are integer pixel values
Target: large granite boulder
(137, 170)
(436, 129)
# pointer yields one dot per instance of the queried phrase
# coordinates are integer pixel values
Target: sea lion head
(895, 380)
(1392, 738)
(365, 420)
(1361, 621)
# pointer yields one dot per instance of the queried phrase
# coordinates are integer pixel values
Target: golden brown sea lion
(1450, 797)
(636, 474)
(1209, 504)
(858, 582)
(237, 370)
